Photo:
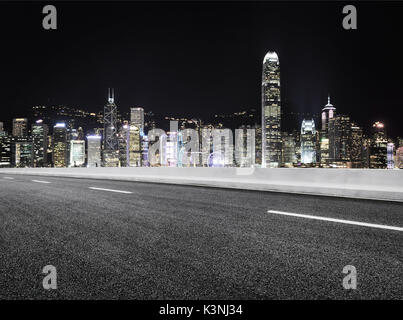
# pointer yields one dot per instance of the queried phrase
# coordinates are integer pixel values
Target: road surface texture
(157, 241)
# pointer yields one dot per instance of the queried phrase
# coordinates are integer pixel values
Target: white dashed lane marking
(356, 223)
(109, 190)
(40, 181)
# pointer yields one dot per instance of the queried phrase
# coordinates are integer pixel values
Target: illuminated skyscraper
(40, 141)
(378, 149)
(77, 153)
(289, 157)
(308, 142)
(134, 147)
(123, 138)
(366, 147)
(390, 155)
(20, 127)
(328, 112)
(172, 153)
(137, 117)
(356, 148)
(271, 111)
(144, 151)
(94, 151)
(22, 155)
(5, 150)
(59, 142)
(339, 132)
(111, 144)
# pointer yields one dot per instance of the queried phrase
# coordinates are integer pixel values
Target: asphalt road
(159, 241)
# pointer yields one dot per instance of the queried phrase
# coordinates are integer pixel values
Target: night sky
(197, 59)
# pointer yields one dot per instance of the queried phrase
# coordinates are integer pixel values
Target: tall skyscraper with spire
(111, 145)
(328, 113)
(271, 111)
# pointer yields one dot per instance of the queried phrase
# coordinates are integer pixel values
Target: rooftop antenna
(111, 95)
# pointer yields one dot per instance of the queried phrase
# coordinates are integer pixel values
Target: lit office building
(308, 142)
(5, 150)
(59, 149)
(134, 146)
(390, 155)
(223, 147)
(288, 150)
(77, 153)
(328, 112)
(245, 152)
(356, 148)
(172, 152)
(144, 151)
(366, 147)
(50, 151)
(137, 117)
(206, 148)
(20, 127)
(378, 149)
(111, 144)
(258, 144)
(157, 149)
(22, 155)
(123, 138)
(39, 140)
(94, 151)
(271, 112)
(339, 131)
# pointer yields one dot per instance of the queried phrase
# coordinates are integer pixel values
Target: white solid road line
(357, 223)
(110, 190)
(40, 181)
(8, 178)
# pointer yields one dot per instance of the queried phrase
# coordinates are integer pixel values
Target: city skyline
(113, 141)
(209, 67)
